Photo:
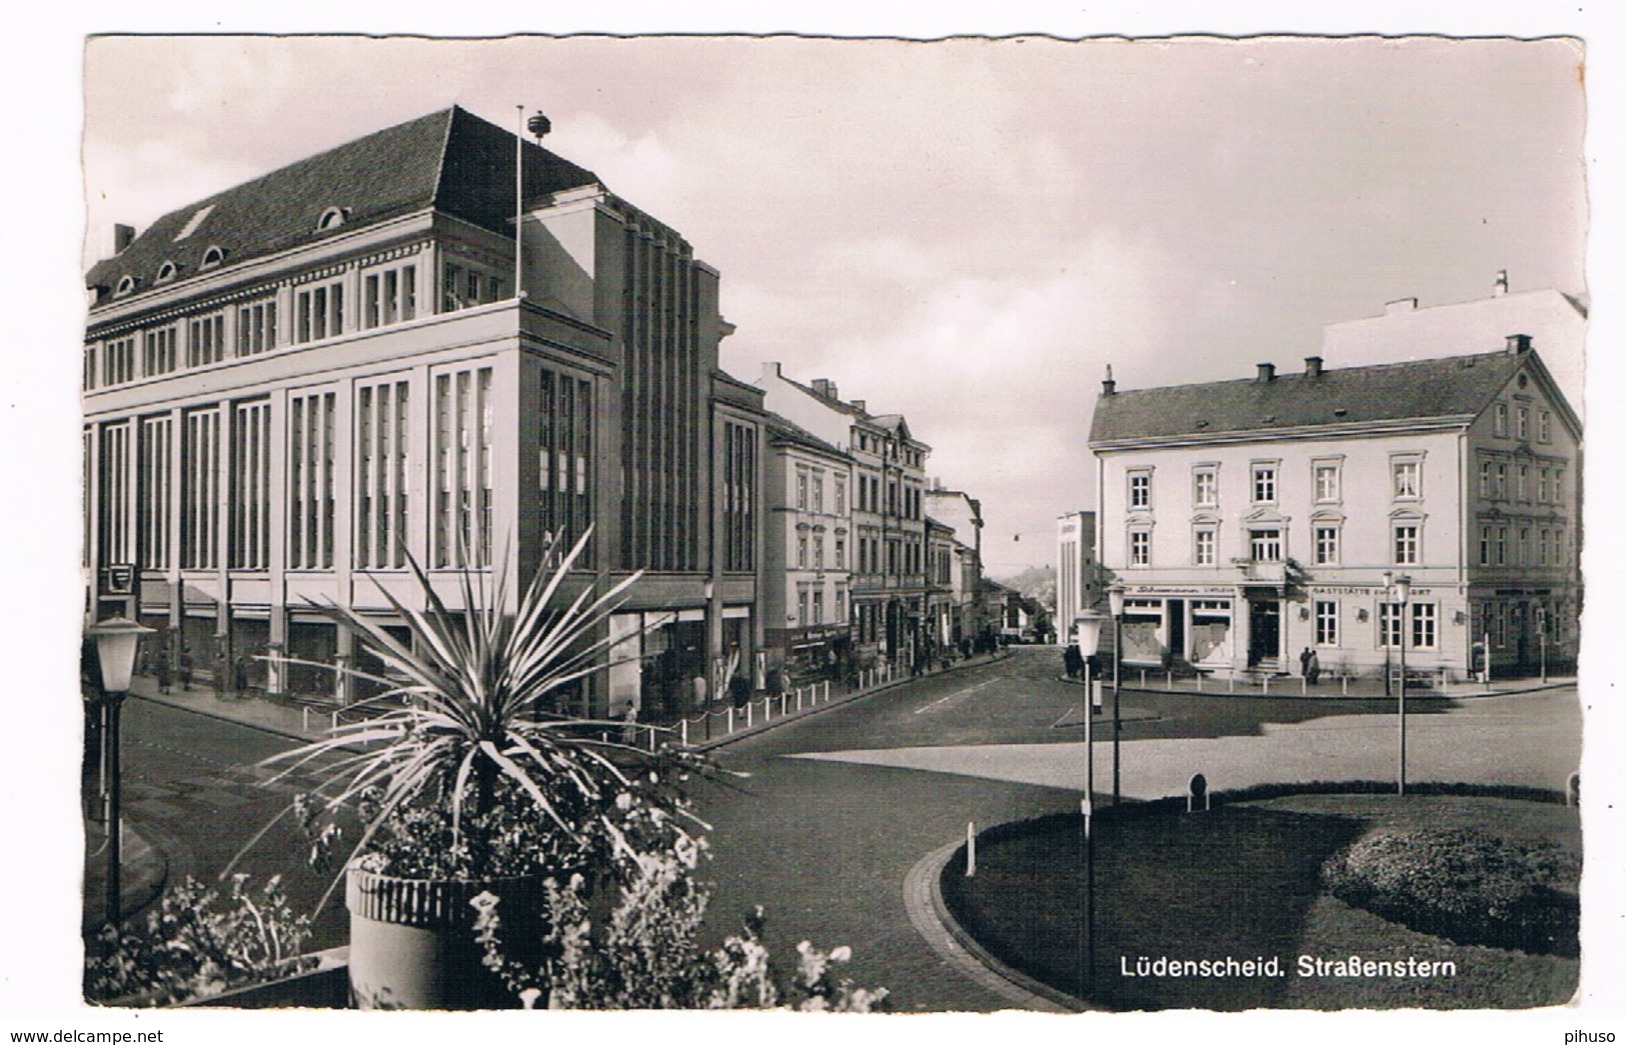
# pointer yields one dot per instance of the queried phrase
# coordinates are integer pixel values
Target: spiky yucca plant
(480, 685)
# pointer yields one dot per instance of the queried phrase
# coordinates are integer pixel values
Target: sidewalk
(1137, 680)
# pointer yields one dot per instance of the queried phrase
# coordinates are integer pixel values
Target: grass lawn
(1242, 882)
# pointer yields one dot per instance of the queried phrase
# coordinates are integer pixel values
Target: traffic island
(1229, 909)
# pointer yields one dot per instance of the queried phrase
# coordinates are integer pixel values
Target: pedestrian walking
(1072, 658)
(186, 664)
(1303, 661)
(162, 669)
(1311, 668)
(240, 675)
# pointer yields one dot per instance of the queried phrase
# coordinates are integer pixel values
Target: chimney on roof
(1266, 373)
(123, 236)
(1108, 387)
(825, 387)
(861, 405)
(1500, 284)
(1402, 305)
(1312, 366)
(1518, 344)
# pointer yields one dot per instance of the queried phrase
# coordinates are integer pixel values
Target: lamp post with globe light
(1114, 595)
(1088, 624)
(116, 641)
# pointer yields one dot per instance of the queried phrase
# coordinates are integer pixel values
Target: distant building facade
(1251, 519)
(806, 599)
(293, 386)
(963, 513)
(1077, 573)
(888, 589)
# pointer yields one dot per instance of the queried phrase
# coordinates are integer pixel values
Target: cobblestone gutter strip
(922, 898)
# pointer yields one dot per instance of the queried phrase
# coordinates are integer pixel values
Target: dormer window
(125, 286)
(331, 219)
(166, 272)
(213, 257)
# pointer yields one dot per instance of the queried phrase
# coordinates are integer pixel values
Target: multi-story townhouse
(962, 512)
(807, 547)
(1251, 519)
(1077, 574)
(888, 509)
(942, 612)
(296, 385)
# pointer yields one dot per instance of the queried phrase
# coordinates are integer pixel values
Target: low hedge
(1466, 886)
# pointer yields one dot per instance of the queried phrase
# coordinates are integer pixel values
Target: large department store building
(1249, 520)
(293, 386)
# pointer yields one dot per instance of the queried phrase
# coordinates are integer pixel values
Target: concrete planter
(412, 940)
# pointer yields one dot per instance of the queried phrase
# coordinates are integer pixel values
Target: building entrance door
(1176, 631)
(1264, 634)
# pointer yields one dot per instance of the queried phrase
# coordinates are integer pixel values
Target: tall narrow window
(200, 490)
(1263, 484)
(206, 340)
(1500, 420)
(1139, 548)
(1205, 486)
(1325, 622)
(463, 494)
(1407, 544)
(318, 311)
(1328, 482)
(1424, 625)
(1207, 542)
(256, 328)
(159, 353)
(310, 481)
(118, 361)
(1139, 490)
(1326, 545)
(389, 296)
(157, 441)
(250, 547)
(1390, 625)
(117, 535)
(381, 469)
(1407, 479)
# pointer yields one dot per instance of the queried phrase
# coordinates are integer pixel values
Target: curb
(221, 716)
(1329, 693)
(922, 898)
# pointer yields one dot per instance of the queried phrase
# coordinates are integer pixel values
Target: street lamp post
(116, 640)
(1089, 622)
(1387, 647)
(1115, 595)
(1402, 595)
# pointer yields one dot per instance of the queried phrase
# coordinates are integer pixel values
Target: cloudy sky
(965, 232)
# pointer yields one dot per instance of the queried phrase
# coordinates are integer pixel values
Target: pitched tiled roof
(450, 159)
(782, 428)
(1426, 389)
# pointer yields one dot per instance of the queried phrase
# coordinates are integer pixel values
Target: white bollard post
(970, 849)
(304, 713)
(1266, 685)
(1170, 680)
(1303, 684)
(651, 738)
(826, 691)
(730, 720)
(750, 714)
(1345, 685)
(685, 732)
(1232, 683)
(798, 698)
(1199, 678)
(335, 720)
(1142, 678)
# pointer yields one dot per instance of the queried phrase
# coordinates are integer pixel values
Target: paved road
(837, 810)
(192, 787)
